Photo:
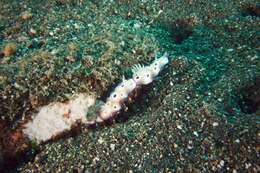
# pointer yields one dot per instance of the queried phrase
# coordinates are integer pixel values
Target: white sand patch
(56, 117)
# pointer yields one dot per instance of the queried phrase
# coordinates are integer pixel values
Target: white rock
(56, 117)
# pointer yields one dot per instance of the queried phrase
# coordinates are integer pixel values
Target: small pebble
(9, 49)
(215, 124)
(179, 126)
(2, 55)
(26, 15)
(101, 140)
(248, 165)
(54, 51)
(196, 133)
(137, 25)
(32, 32)
(222, 163)
(237, 141)
(22, 39)
(51, 33)
(230, 50)
(112, 147)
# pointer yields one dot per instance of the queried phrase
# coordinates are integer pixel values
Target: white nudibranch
(142, 75)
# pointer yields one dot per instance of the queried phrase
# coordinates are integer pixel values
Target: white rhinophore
(142, 75)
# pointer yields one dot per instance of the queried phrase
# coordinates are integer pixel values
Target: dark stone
(2, 55)
(36, 44)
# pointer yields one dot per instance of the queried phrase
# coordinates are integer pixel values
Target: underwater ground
(200, 115)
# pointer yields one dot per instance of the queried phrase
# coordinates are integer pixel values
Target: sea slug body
(108, 110)
(117, 96)
(158, 64)
(142, 75)
(126, 86)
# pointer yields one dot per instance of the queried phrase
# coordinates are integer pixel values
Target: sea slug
(142, 75)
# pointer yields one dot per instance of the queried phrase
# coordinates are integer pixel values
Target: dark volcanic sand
(201, 115)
